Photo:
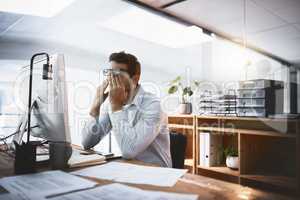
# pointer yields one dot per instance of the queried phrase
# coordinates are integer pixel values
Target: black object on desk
(25, 157)
(178, 144)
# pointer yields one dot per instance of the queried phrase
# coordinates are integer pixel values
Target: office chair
(178, 144)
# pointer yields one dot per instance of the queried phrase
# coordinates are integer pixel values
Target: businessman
(133, 115)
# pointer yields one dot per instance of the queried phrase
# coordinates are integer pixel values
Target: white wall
(224, 64)
(227, 63)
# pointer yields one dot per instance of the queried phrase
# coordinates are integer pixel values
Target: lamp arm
(30, 89)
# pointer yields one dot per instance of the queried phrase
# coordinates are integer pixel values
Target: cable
(6, 137)
(4, 148)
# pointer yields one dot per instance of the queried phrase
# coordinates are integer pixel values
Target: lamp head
(47, 71)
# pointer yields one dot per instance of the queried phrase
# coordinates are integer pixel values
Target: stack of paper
(43, 184)
(9, 196)
(118, 191)
(80, 160)
(136, 174)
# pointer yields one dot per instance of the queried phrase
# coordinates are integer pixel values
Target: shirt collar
(138, 98)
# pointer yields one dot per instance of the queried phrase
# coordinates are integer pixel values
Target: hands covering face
(118, 95)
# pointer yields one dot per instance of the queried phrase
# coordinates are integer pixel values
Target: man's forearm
(99, 99)
(94, 130)
(95, 110)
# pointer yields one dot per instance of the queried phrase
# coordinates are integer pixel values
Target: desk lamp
(25, 158)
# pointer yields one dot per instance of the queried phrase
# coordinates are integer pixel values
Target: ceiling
(7, 20)
(77, 27)
(271, 25)
(78, 34)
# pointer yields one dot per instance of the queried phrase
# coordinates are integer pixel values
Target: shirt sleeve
(94, 130)
(134, 138)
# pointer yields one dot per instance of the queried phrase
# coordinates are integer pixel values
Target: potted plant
(176, 85)
(232, 157)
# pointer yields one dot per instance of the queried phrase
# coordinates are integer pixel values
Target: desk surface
(206, 188)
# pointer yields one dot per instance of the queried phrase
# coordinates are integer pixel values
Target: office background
(86, 44)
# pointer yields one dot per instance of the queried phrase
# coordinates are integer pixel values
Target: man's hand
(117, 93)
(99, 99)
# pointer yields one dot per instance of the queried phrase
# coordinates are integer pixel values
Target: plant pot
(232, 162)
(185, 108)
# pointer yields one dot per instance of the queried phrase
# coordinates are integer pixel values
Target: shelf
(279, 181)
(182, 126)
(265, 119)
(266, 133)
(250, 97)
(250, 106)
(221, 169)
(215, 129)
(247, 131)
(181, 116)
(241, 89)
(189, 162)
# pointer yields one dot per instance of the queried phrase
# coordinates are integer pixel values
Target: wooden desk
(206, 188)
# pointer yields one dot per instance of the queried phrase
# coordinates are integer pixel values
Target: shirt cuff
(96, 119)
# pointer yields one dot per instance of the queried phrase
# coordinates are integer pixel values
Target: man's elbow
(128, 154)
(85, 145)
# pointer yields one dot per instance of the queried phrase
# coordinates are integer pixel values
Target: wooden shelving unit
(221, 169)
(180, 126)
(284, 183)
(268, 149)
(189, 162)
(246, 131)
(185, 124)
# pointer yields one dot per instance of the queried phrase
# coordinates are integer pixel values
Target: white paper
(136, 174)
(77, 158)
(118, 191)
(44, 184)
(9, 196)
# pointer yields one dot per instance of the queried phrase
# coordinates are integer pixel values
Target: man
(133, 115)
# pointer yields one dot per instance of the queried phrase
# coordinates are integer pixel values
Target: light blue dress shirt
(140, 130)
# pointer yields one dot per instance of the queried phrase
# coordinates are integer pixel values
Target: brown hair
(133, 65)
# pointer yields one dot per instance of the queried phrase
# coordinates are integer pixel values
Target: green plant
(176, 85)
(230, 151)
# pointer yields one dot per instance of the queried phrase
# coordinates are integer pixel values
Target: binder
(210, 145)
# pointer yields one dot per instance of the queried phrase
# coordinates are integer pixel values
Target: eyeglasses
(107, 72)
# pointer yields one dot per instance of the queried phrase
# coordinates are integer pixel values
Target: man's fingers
(119, 81)
(105, 83)
(110, 82)
(113, 80)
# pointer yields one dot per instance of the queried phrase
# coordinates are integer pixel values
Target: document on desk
(136, 174)
(118, 191)
(9, 196)
(44, 184)
(79, 160)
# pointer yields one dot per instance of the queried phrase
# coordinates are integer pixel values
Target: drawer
(254, 84)
(251, 93)
(251, 112)
(251, 102)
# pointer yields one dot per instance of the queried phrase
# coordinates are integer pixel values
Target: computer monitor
(49, 117)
